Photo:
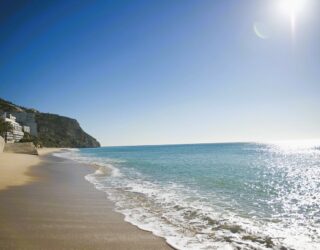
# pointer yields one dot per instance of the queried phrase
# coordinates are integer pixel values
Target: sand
(14, 167)
(61, 210)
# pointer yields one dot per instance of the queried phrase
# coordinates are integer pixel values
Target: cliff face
(52, 130)
(59, 131)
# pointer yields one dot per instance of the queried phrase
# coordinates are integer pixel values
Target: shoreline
(60, 209)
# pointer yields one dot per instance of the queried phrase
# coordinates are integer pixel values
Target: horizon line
(221, 142)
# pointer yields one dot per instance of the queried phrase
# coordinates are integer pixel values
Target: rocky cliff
(53, 130)
(59, 131)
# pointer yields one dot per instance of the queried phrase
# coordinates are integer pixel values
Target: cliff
(52, 130)
(59, 131)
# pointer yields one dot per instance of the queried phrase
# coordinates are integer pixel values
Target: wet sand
(59, 209)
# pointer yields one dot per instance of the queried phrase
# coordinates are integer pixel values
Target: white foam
(185, 218)
(74, 154)
(155, 212)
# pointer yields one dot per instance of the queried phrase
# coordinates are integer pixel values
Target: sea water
(215, 196)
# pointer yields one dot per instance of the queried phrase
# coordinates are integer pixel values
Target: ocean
(215, 196)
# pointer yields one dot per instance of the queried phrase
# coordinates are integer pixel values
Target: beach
(15, 168)
(16, 175)
(46, 203)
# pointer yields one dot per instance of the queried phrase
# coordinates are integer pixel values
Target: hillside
(7, 106)
(59, 131)
(54, 130)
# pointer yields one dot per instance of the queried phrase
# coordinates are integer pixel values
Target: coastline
(56, 208)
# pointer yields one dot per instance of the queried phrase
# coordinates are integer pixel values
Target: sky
(167, 72)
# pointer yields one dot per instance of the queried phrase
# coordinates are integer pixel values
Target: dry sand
(14, 167)
(61, 210)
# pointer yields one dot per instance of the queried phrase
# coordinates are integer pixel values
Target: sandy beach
(15, 167)
(47, 204)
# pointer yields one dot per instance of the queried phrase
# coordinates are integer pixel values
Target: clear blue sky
(158, 72)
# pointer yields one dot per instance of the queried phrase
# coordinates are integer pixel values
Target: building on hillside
(27, 119)
(17, 132)
(26, 129)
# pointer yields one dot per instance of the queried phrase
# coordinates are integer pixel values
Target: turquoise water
(216, 196)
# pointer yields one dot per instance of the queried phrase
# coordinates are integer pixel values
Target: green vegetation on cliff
(54, 130)
(7, 106)
(59, 131)
(4, 128)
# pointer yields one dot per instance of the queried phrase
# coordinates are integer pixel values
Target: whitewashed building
(17, 132)
(26, 129)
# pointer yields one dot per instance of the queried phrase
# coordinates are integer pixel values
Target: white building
(17, 133)
(26, 129)
(27, 119)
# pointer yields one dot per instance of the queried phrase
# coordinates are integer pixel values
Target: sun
(291, 9)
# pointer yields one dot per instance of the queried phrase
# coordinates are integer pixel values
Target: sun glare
(291, 8)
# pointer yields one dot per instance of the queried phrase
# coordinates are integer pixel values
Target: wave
(186, 218)
(103, 166)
